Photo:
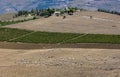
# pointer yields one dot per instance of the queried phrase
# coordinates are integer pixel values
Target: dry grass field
(72, 60)
(60, 62)
(80, 22)
(5, 17)
(9, 17)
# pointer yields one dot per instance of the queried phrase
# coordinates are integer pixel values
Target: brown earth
(60, 62)
(64, 60)
(80, 22)
(12, 45)
(6, 17)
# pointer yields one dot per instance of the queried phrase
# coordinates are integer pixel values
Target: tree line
(45, 12)
(49, 11)
(108, 11)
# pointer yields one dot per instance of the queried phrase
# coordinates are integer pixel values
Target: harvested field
(60, 62)
(101, 23)
(89, 53)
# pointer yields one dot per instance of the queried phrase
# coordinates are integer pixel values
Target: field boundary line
(22, 36)
(73, 38)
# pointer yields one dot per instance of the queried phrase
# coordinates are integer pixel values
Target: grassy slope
(6, 34)
(49, 37)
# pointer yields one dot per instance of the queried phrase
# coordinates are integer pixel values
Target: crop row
(6, 34)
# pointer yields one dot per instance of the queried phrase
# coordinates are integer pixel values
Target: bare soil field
(18, 45)
(80, 22)
(60, 62)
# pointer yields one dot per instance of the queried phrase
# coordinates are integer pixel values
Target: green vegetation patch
(96, 38)
(4, 23)
(7, 22)
(7, 34)
(53, 38)
(46, 37)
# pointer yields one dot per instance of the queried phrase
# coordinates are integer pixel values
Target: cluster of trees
(108, 11)
(35, 12)
(45, 12)
(71, 10)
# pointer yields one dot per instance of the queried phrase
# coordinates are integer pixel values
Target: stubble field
(60, 62)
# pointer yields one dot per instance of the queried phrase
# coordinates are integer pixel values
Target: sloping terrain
(67, 60)
(10, 17)
(80, 22)
(60, 62)
(6, 17)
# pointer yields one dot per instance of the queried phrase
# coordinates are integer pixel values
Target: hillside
(80, 22)
(79, 44)
(7, 6)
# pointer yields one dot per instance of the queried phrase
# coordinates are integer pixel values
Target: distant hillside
(7, 6)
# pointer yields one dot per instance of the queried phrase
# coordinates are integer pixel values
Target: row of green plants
(4, 23)
(54, 38)
(97, 38)
(108, 11)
